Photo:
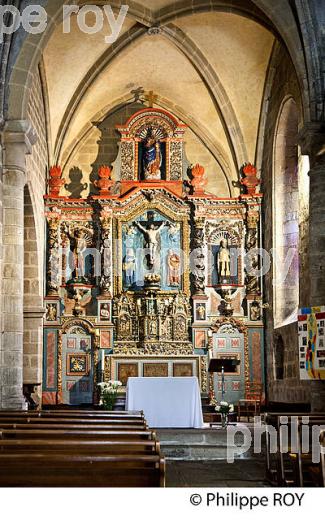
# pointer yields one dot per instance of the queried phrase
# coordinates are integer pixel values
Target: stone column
(18, 138)
(312, 139)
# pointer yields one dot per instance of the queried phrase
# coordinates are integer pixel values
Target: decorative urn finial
(55, 181)
(105, 182)
(250, 181)
(198, 181)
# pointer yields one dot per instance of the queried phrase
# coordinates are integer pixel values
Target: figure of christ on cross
(151, 235)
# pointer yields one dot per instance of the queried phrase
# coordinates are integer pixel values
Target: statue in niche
(51, 312)
(173, 267)
(224, 261)
(129, 264)
(80, 244)
(152, 157)
(151, 236)
(153, 327)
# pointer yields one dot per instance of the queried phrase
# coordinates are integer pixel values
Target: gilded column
(198, 258)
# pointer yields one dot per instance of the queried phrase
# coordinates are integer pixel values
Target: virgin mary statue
(152, 158)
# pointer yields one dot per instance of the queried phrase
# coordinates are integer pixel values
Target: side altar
(149, 277)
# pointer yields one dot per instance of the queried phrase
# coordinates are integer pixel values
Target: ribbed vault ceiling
(211, 67)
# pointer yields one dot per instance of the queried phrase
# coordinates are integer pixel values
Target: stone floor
(198, 458)
(216, 473)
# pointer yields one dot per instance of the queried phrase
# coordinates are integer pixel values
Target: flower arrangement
(108, 394)
(224, 408)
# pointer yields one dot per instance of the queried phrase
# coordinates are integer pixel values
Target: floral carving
(198, 181)
(55, 181)
(105, 182)
(250, 181)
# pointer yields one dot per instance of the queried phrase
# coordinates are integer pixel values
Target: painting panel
(105, 339)
(155, 369)
(126, 370)
(200, 339)
(77, 365)
(183, 370)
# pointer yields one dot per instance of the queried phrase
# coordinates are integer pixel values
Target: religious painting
(71, 343)
(200, 339)
(155, 369)
(77, 365)
(52, 314)
(200, 312)
(105, 339)
(126, 370)
(151, 244)
(85, 344)
(104, 311)
(182, 370)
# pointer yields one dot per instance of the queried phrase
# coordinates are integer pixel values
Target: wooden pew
(74, 426)
(74, 415)
(32, 432)
(284, 467)
(78, 445)
(46, 469)
(78, 449)
(70, 420)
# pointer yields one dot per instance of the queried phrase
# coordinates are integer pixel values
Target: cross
(137, 93)
(151, 98)
(151, 220)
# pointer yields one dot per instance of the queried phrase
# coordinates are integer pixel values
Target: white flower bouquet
(108, 394)
(224, 408)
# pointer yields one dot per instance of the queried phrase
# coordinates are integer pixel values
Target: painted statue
(173, 268)
(129, 264)
(151, 236)
(152, 158)
(223, 260)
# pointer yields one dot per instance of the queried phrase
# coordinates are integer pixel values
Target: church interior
(165, 230)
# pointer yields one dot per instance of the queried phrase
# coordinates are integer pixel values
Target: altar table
(167, 402)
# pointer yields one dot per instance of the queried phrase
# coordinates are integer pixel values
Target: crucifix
(151, 230)
(151, 98)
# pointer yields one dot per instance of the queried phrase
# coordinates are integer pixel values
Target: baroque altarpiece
(152, 276)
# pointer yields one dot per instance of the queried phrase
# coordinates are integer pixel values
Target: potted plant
(224, 409)
(108, 394)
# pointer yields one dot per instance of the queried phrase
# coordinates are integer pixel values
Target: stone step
(201, 444)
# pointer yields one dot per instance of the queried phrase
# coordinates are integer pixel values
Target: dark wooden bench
(75, 426)
(74, 414)
(32, 432)
(285, 466)
(69, 420)
(78, 445)
(46, 469)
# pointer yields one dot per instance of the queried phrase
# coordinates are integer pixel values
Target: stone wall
(282, 343)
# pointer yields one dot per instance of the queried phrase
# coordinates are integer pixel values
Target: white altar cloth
(167, 402)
